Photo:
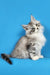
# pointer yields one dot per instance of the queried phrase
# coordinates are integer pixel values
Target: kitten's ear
(25, 27)
(32, 18)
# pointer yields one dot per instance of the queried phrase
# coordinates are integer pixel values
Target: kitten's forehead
(31, 24)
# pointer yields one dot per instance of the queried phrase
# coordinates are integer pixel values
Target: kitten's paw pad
(35, 58)
(41, 56)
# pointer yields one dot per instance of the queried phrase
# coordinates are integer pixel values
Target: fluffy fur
(30, 45)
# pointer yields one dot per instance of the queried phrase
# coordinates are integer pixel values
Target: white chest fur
(40, 38)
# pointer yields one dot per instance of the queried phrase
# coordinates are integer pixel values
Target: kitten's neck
(34, 35)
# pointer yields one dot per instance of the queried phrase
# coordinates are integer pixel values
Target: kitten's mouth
(32, 31)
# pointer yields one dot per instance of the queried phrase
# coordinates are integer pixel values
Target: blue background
(14, 13)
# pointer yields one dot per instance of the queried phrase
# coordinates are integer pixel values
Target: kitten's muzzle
(33, 29)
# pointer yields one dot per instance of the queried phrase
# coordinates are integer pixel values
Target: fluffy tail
(6, 58)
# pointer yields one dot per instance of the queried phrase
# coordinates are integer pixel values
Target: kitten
(30, 45)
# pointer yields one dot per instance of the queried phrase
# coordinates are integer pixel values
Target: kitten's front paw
(35, 58)
(41, 56)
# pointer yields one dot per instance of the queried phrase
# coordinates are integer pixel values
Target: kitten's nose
(33, 29)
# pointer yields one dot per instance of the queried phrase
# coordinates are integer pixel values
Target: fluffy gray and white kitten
(30, 45)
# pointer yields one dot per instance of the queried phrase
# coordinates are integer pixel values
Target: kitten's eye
(36, 24)
(37, 28)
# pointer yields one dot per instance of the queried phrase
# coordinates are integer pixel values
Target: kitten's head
(33, 27)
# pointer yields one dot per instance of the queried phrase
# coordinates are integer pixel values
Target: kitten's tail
(6, 58)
